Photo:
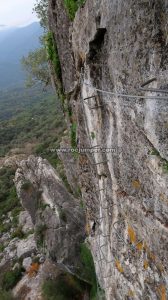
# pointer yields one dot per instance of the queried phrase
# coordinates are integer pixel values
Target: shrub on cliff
(64, 287)
(88, 271)
(36, 66)
(4, 295)
(11, 278)
(72, 7)
(52, 53)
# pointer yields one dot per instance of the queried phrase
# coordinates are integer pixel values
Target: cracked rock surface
(57, 216)
(117, 46)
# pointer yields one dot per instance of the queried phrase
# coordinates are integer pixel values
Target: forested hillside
(34, 125)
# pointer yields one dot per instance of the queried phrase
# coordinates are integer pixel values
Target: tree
(36, 65)
(41, 10)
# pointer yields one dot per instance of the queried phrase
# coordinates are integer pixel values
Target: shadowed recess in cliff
(94, 57)
(96, 44)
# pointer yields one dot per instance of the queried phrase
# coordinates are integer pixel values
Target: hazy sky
(16, 12)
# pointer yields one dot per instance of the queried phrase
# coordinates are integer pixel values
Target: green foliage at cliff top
(72, 7)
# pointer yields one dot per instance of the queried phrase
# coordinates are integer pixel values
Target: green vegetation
(18, 233)
(1, 248)
(78, 192)
(15, 216)
(73, 138)
(82, 204)
(36, 65)
(52, 53)
(64, 287)
(40, 233)
(72, 7)
(11, 278)
(93, 135)
(37, 130)
(73, 135)
(163, 161)
(69, 109)
(155, 152)
(8, 199)
(18, 100)
(53, 57)
(6, 295)
(36, 62)
(165, 165)
(26, 186)
(41, 10)
(89, 269)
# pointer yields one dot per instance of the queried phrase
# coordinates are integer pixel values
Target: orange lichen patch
(132, 235)
(163, 198)
(162, 292)
(131, 293)
(136, 184)
(160, 267)
(140, 246)
(87, 229)
(118, 266)
(151, 256)
(145, 247)
(145, 264)
(33, 270)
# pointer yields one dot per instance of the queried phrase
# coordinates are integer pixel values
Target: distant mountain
(14, 44)
(5, 32)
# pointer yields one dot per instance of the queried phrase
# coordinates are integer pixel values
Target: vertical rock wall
(116, 46)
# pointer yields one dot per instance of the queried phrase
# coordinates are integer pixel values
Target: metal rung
(99, 163)
(98, 218)
(107, 207)
(89, 97)
(104, 245)
(95, 146)
(101, 190)
(120, 237)
(148, 81)
(95, 107)
(133, 247)
(108, 262)
(100, 260)
(107, 276)
(105, 236)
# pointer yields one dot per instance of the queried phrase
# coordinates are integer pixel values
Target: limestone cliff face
(116, 46)
(57, 216)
